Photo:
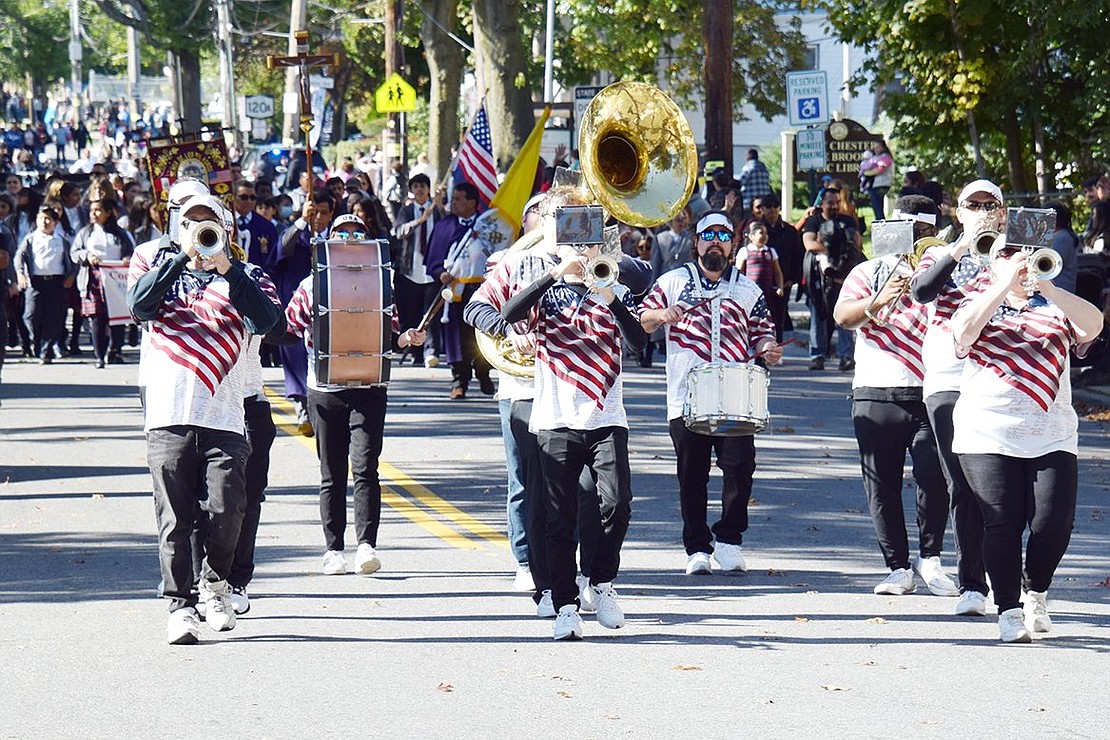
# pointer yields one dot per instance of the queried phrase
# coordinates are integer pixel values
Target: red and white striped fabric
(887, 355)
(475, 161)
(943, 369)
(745, 321)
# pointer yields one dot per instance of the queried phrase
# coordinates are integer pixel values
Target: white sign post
(582, 97)
(807, 98)
(811, 149)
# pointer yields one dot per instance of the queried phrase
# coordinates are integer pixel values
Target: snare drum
(726, 399)
(351, 319)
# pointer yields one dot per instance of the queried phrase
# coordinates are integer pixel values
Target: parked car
(281, 165)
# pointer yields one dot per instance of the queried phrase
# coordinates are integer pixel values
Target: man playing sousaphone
(712, 313)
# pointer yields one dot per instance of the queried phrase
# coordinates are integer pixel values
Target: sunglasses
(245, 197)
(978, 205)
(344, 234)
(711, 234)
(580, 248)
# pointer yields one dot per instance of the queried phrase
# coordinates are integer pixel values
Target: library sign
(846, 144)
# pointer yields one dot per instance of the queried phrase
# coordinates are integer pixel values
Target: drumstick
(792, 340)
(438, 304)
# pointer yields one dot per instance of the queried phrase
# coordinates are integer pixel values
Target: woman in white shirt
(1016, 432)
(101, 243)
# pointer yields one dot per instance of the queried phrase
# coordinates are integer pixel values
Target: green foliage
(33, 41)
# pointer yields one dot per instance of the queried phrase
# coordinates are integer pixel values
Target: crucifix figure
(304, 62)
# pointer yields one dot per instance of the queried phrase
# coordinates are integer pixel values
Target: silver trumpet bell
(208, 238)
(602, 272)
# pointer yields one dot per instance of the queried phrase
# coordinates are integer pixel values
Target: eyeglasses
(709, 235)
(978, 205)
(244, 196)
(1006, 252)
(344, 234)
(580, 248)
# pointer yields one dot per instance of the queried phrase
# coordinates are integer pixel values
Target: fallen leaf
(876, 620)
(1104, 583)
(801, 619)
(1037, 709)
(773, 572)
(612, 716)
(867, 662)
(813, 528)
(563, 694)
(1096, 515)
(784, 430)
(446, 688)
(753, 501)
(811, 593)
(830, 687)
(681, 667)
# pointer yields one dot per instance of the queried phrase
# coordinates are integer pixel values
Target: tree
(500, 50)
(444, 58)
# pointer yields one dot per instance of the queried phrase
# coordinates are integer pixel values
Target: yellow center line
(397, 502)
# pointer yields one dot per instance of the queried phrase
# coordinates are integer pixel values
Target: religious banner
(206, 161)
(113, 275)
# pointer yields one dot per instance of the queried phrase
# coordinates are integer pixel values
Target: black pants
(885, 431)
(736, 459)
(967, 520)
(473, 364)
(349, 426)
(1016, 493)
(18, 333)
(101, 332)
(564, 453)
(260, 437)
(413, 300)
(45, 312)
(193, 466)
(535, 510)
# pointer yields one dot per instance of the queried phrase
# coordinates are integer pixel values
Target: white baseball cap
(347, 218)
(182, 190)
(211, 203)
(980, 186)
(714, 218)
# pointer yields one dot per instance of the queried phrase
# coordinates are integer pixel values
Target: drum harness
(716, 295)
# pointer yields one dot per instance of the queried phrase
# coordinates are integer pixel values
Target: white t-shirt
(1015, 398)
(943, 369)
(744, 322)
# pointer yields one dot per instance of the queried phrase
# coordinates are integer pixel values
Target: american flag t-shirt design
(968, 277)
(903, 329)
(1027, 348)
(579, 340)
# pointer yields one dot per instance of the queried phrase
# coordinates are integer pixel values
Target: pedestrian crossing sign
(395, 96)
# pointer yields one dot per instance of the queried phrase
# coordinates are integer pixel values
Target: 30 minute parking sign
(807, 98)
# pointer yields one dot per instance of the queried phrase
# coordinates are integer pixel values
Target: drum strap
(717, 295)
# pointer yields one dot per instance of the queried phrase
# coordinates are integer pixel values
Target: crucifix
(304, 62)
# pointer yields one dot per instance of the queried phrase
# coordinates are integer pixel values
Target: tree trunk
(445, 69)
(191, 106)
(500, 45)
(717, 30)
(1014, 155)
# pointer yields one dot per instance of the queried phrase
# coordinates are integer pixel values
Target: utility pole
(227, 72)
(394, 62)
(298, 21)
(134, 68)
(75, 49)
(717, 32)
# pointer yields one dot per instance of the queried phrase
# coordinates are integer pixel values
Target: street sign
(259, 106)
(807, 96)
(395, 96)
(810, 144)
(582, 97)
(259, 129)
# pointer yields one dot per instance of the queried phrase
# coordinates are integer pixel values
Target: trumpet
(602, 272)
(208, 238)
(911, 259)
(982, 245)
(1042, 264)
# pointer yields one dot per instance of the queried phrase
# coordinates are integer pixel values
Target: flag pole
(455, 159)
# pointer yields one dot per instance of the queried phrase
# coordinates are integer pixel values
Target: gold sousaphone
(639, 161)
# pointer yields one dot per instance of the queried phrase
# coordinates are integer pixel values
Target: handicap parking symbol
(809, 109)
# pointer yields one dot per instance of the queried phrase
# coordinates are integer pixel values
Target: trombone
(912, 260)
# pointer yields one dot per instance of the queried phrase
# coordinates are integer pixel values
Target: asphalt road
(436, 644)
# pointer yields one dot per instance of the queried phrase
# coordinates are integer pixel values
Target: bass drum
(352, 319)
(725, 399)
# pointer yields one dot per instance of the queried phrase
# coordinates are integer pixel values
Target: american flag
(967, 278)
(745, 319)
(579, 340)
(1026, 348)
(903, 330)
(475, 161)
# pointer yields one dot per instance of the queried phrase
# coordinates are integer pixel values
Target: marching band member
(698, 302)
(200, 310)
(1015, 429)
(579, 420)
(944, 277)
(889, 417)
(349, 425)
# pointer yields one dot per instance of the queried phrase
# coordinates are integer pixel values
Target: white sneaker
(334, 563)
(568, 625)
(523, 580)
(971, 604)
(898, 583)
(545, 608)
(1011, 626)
(609, 612)
(698, 564)
(934, 576)
(183, 627)
(585, 595)
(366, 560)
(218, 611)
(728, 557)
(1036, 611)
(239, 601)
